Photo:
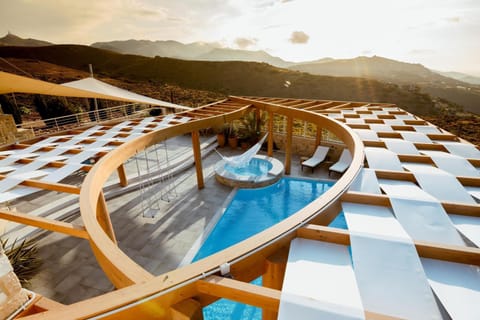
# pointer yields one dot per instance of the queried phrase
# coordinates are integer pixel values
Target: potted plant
(232, 136)
(251, 127)
(222, 133)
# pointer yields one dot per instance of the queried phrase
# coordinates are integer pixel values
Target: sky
(440, 34)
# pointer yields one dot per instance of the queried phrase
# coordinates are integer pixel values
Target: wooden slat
(467, 255)
(46, 224)
(53, 186)
(240, 291)
(472, 210)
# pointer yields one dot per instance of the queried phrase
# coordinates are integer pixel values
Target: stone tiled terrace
(70, 272)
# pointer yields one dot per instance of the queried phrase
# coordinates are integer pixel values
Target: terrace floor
(70, 272)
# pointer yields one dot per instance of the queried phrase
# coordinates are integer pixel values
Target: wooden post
(198, 158)
(187, 310)
(275, 266)
(288, 145)
(270, 134)
(318, 139)
(122, 175)
(103, 217)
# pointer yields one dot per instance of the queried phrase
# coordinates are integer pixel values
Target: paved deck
(70, 272)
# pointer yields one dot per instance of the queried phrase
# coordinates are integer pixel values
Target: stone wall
(9, 133)
(12, 296)
(305, 147)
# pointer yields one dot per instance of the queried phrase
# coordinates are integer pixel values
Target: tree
(52, 107)
(9, 108)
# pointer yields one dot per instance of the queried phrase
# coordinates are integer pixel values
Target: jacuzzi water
(256, 167)
(250, 212)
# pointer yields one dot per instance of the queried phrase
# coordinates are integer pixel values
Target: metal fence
(122, 112)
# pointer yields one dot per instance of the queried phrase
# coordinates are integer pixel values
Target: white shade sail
(85, 88)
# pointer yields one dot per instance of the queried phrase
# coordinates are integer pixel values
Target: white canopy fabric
(97, 86)
(85, 88)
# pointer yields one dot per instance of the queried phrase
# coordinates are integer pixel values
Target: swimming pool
(261, 171)
(250, 212)
(256, 167)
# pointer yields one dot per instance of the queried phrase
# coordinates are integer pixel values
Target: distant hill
(374, 68)
(191, 51)
(401, 73)
(461, 76)
(12, 40)
(170, 48)
(229, 77)
(200, 82)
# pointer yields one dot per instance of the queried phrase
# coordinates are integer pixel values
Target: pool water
(339, 222)
(256, 167)
(250, 212)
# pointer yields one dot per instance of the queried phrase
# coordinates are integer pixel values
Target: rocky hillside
(196, 83)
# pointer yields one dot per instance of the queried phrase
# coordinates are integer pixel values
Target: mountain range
(12, 40)
(193, 51)
(450, 86)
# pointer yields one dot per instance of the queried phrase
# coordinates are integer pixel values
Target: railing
(62, 123)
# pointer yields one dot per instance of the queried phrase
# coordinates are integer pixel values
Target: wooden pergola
(181, 293)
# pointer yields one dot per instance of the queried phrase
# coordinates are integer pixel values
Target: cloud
(453, 19)
(244, 43)
(366, 52)
(421, 52)
(299, 37)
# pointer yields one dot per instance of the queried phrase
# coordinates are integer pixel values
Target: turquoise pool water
(256, 167)
(250, 212)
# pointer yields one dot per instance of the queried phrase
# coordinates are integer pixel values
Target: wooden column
(288, 145)
(318, 138)
(103, 217)
(187, 310)
(270, 134)
(122, 175)
(275, 266)
(197, 155)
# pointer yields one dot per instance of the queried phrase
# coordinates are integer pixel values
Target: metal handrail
(62, 123)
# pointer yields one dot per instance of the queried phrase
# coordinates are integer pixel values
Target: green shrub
(24, 258)
(9, 108)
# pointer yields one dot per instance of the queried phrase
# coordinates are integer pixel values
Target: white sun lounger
(465, 150)
(434, 180)
(388, 270)
(382, 159)
(318, 157)
(342, 164)
(366, 181)
(319, 283)
(456, 285)
(400, 146)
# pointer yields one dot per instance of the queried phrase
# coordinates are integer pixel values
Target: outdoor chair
(342, 164)
(317, 158)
